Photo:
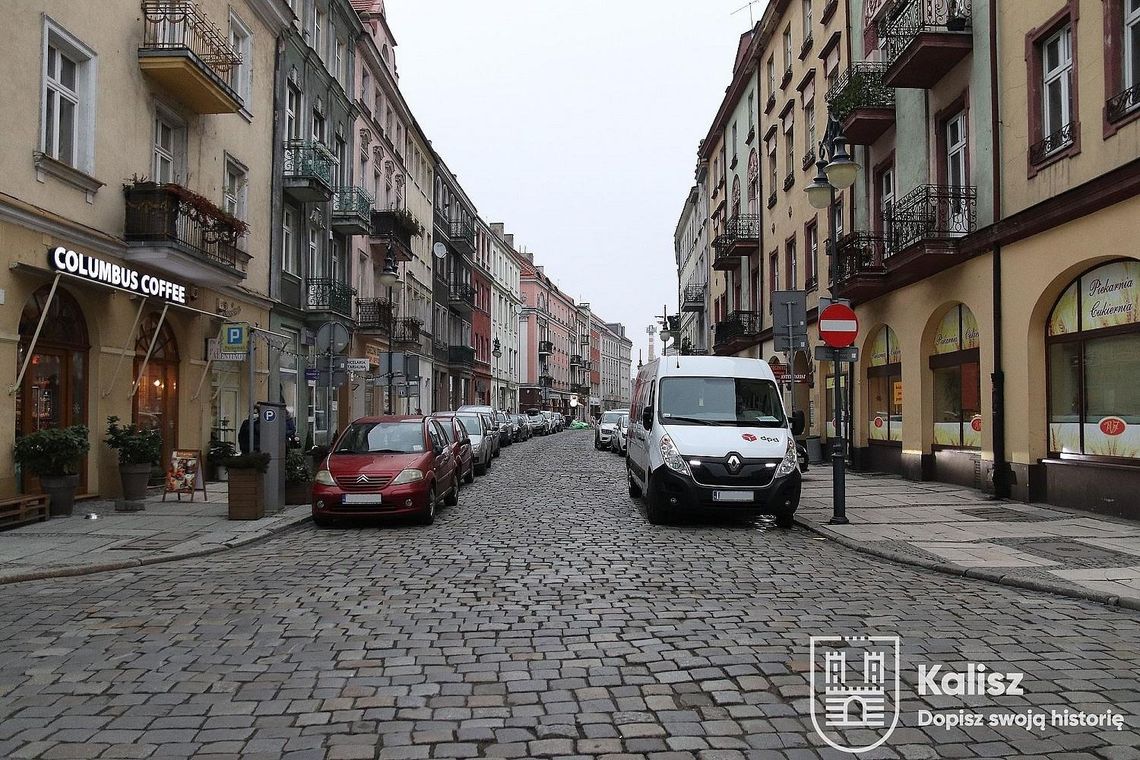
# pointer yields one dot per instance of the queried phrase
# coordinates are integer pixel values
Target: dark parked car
(460, 442)
(506, 434)
(380, 466)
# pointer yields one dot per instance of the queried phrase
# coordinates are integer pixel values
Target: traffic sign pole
(838, 459)
(838, 328)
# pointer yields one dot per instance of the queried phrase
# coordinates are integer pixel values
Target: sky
(576, 124)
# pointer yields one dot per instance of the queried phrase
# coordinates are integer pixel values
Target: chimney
(498, 228)
(510, 240)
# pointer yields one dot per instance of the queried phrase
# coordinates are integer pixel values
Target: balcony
(463, 237)
(923, 39)
(693, 298)
(374, 314)
(396, 227)
(352, 211)
(860, 265)
(545, 348)
(185, 54)
(933, 218)
(406, 332)
(462, 297)
(739, 331)
(462, 357)
(325, 294)
(864, 106)
(1045, 149)
(183, 234)
(1122, 104)
(309, 168)
(741, 237)
(584, 340)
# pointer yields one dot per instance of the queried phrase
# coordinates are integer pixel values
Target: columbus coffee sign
(115, 275)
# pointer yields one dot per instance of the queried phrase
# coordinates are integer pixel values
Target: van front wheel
(655, 510)
(634, 488)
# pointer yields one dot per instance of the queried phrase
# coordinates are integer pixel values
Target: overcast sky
(576, 124)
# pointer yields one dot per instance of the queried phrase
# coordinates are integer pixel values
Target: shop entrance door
(53, 393)
(156, 401)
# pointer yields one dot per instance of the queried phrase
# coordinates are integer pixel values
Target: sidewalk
(958, 530)
(164, 531)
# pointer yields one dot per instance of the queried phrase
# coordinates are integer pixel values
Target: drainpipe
(1001, 474)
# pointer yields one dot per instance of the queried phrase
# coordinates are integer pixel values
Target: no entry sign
(838, 325)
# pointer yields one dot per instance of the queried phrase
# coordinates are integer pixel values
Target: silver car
(481, 443)
(606, 430)
(621, 433)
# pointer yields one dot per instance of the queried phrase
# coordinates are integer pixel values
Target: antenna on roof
(751, 17)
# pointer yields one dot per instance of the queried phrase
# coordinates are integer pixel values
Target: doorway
(156, 401)
(53, 393)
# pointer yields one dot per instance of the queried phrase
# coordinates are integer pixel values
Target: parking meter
(273, 442)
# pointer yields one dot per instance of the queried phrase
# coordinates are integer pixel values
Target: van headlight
(407, 476)
(672, 458)
(324, 478)
(791, 461)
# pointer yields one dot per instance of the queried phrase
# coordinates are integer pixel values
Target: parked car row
(406, 465)
(546, 422)
(606, 433)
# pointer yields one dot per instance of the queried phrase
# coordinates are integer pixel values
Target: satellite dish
(440, 250)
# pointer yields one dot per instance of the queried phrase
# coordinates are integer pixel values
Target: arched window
(753, 181)
(53, 393)
(735, 197)
(1093, 342)
(957, 381)
(885, 389)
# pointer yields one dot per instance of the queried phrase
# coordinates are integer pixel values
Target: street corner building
(987, 242)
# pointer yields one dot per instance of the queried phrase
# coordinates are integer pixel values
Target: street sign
(356, 364)
(838, 325)
(849, 354)
(332, 337)
(312, 373)
(793, 343)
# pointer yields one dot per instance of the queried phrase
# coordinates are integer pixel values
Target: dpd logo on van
(749, 437)
(855, 687)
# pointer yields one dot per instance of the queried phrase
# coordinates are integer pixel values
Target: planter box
(246, 495)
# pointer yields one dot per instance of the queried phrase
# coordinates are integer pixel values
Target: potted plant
(298, 478)
(139, 450)
(216, 456)
(247, 485)
(53, 455)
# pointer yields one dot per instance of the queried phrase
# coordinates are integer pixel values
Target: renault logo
(362, 479)
(733, 463)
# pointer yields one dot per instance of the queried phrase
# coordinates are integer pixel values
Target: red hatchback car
(387, 466)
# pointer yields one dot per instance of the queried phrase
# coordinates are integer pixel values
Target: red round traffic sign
(838, 325)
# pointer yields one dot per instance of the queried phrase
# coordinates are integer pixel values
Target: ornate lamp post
(388, 278)
(835, 170)
(496, 352)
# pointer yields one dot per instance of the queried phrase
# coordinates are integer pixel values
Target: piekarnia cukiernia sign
(118, 276)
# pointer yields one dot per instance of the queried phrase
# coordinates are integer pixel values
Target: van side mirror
(799, 422)
(647, 418)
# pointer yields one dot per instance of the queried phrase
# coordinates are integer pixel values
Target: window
(339, 61)
(838, 218)
(340, 150)
(292, 108)
(366, 89)
(241, 42)
(809, 125)
(806, 13)
(166, 150)
(790, 264)
(787, 50)
(339, 265)
(789, 151)
(957, 381)
(772, 165)
(771, 78)
(735, 140)
(773, 277)
(318, 127)
(1132, 46)
(316, 263)
(885, 187)
(885, 389)
(752, 107)
(67, 108)
(290, 254)
(811, 253)
(1057, 73)
(234, 191)
(1093, 344)
(318, 30)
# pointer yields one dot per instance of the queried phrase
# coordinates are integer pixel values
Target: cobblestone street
(543, 617)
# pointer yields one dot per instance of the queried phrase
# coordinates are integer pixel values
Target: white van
(709, 433)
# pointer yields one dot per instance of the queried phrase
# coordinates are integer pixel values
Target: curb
(154, 559)
(976, 573)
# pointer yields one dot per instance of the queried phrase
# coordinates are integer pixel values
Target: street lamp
(388, 278)
(497, 352)
(834, 170)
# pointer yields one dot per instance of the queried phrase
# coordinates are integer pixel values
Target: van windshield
(732, 401)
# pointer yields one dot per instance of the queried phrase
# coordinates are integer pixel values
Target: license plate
(733, 496)
(361, 498)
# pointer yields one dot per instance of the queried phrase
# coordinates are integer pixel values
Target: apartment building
(454, 295)
(505, 265)
(134, 203)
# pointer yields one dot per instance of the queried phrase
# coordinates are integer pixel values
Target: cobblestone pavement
(541, 618)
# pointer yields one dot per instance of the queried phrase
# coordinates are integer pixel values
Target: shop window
(885, 389)
(957, 381)
(1093, 338)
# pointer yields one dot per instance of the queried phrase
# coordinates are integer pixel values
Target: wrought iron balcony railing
(739, 324)
(463, 235)
(901, 23)
(374, 314)
(353, 201)
(1043, 149)
(931, 212)
(309, 159)
(694, 297)
(575, 360)
(407, 331)
(545, 347)
(743, 228)
(171, 214)
(861, 86)
(326, 294)
(860, 253)
(1123, 103)
(175, 25)
(463, 292)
